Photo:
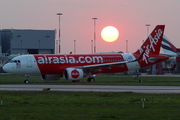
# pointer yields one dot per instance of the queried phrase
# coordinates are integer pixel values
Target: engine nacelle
(48, 77)
(73, 74)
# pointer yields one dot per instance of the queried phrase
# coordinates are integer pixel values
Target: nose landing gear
(26, 80)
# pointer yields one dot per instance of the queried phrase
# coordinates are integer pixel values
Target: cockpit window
(15, 61)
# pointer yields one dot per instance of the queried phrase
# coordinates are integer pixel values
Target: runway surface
(95, 88)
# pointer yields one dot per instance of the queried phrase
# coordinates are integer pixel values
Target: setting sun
(109, 34)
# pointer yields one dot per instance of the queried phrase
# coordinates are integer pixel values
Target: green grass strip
(58, 105)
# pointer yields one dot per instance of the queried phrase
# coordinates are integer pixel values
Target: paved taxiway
(95, 88)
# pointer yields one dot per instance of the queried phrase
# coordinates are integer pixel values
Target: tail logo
(155, 39)
(153, 42)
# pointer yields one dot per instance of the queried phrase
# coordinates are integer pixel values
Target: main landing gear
(91, 79)
(137, 77)
(26, 80)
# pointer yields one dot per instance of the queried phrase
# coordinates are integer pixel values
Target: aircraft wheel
(140, 80)
(75, 80)
(91, 80)
(26, 81)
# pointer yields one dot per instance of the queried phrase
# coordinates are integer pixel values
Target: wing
(97, 67)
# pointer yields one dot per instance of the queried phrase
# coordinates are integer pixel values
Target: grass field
(59, 105)
(56, 105)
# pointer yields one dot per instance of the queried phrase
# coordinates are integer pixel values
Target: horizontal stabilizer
(153, 59)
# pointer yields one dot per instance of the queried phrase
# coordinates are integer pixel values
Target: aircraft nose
(6, 68)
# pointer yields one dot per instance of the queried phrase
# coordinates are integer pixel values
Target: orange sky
(128, 16)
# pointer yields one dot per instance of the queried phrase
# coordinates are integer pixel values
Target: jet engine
(49, 77)
(73, 74)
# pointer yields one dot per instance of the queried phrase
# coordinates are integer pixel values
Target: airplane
(170, 50)
(168, 47)
(77, 66)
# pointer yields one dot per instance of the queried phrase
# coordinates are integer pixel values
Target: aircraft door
(29, 61)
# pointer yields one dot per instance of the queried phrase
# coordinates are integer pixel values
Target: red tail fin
(152, 44)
